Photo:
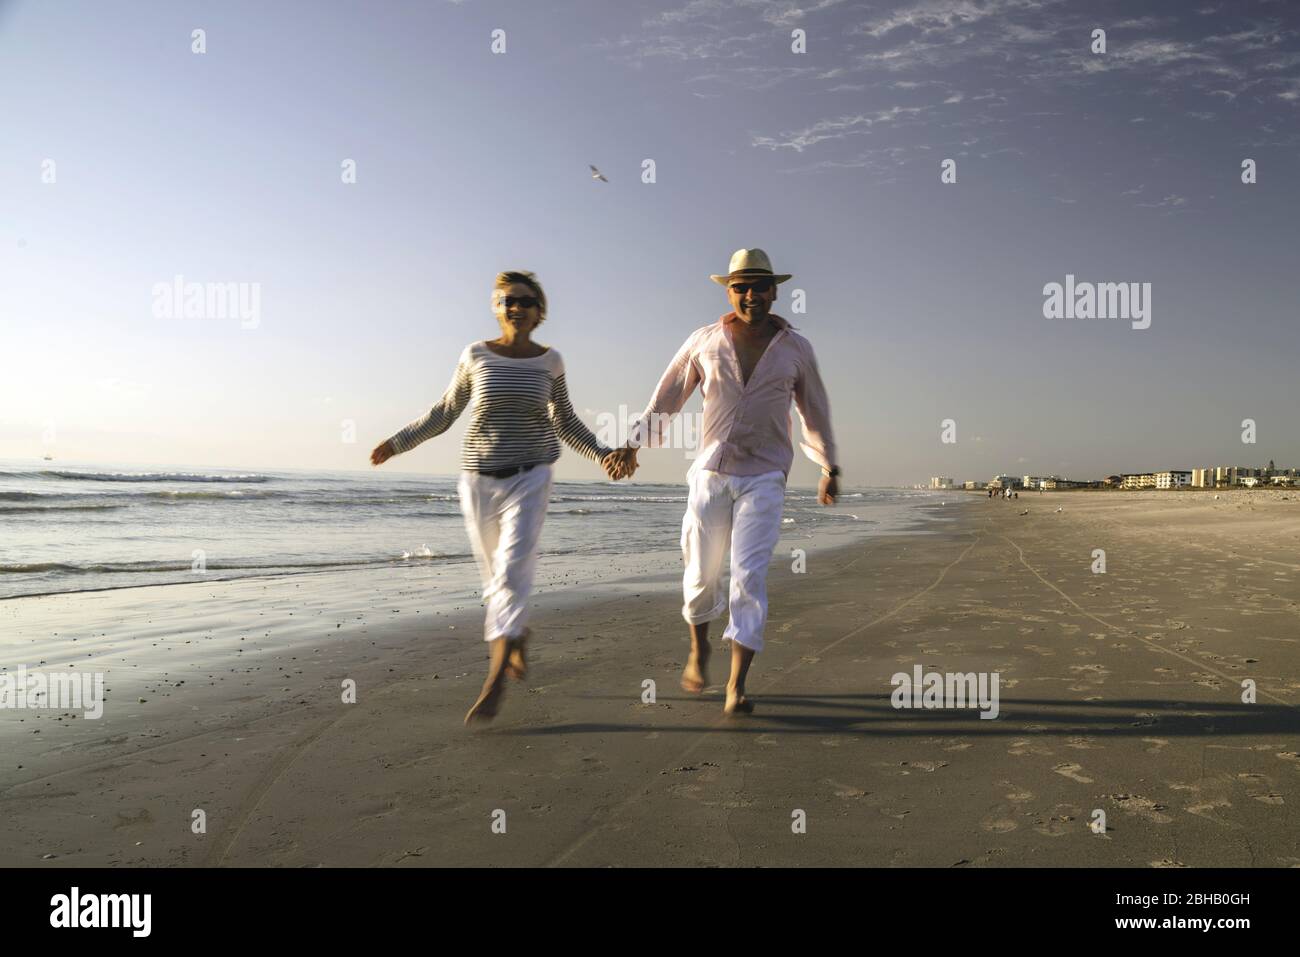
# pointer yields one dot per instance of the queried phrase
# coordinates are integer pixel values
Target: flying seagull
(597, 174)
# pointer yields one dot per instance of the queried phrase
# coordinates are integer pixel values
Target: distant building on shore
(973, 486)
(1175, 478)
(1225, 476)
(940, 481)
(1219, 476)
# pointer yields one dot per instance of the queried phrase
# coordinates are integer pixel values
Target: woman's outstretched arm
(436, 421)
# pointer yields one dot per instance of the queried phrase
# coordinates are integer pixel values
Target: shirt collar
(780, 322)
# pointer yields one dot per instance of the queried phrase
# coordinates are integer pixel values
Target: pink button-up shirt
(747, 428)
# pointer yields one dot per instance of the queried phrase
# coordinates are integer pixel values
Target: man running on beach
(749, 365)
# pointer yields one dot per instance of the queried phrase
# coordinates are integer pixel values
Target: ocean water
(76, 526)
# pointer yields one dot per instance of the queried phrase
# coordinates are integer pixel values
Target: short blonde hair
(509, 277)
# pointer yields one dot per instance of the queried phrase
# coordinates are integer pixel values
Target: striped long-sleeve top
(521, 412)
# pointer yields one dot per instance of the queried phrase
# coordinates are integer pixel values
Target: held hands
(828, 490)
(621, 463)
(381, 453)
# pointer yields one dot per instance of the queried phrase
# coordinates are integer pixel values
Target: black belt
(506, 473)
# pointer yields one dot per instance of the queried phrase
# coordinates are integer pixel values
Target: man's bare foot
(737, 703)
(489, 700)
(517, 661)
(695, 676)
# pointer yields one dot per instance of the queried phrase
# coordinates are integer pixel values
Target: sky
(128, 159)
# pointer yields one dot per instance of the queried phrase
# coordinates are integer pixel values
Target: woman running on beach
(521, 412)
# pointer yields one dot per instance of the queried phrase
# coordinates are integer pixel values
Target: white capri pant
(503, 517)
(740, 514)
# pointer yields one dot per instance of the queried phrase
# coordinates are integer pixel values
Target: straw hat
(749, 264)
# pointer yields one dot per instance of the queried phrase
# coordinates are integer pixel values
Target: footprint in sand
(1071, 771)
(1156, 744)
(126, 820)
(1025, 746)
(926, 765)
(1081, 744)
(1142, 807)
(845, 791)
(1167, 862)
(1059, 823)
(1209, 810)
(997, 822)
(1259, 787)
(1098, 672)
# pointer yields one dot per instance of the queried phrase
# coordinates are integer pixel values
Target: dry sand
(1119, 691)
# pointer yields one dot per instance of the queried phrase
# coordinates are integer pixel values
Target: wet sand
(1119, 691)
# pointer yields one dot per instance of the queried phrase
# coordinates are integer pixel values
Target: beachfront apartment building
(1226, 475)
(972, 486)
(1139, 480)
(1236, 475)
(940, 481)
(1175, 478)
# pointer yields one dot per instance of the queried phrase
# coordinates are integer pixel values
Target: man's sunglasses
(526, 302)
(740, 288)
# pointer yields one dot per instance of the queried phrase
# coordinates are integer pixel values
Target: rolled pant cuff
(705, 618)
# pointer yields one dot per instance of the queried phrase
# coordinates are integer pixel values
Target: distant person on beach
(521, 413)
(749, 365)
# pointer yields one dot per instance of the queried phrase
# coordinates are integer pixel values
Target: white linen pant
(740, 514)
(503, 517)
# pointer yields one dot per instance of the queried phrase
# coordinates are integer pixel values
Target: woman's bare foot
(695, 676)
(489, 700)
(737, 703)
(517, 661)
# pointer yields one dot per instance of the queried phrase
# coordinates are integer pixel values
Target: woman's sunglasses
(525, 302)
